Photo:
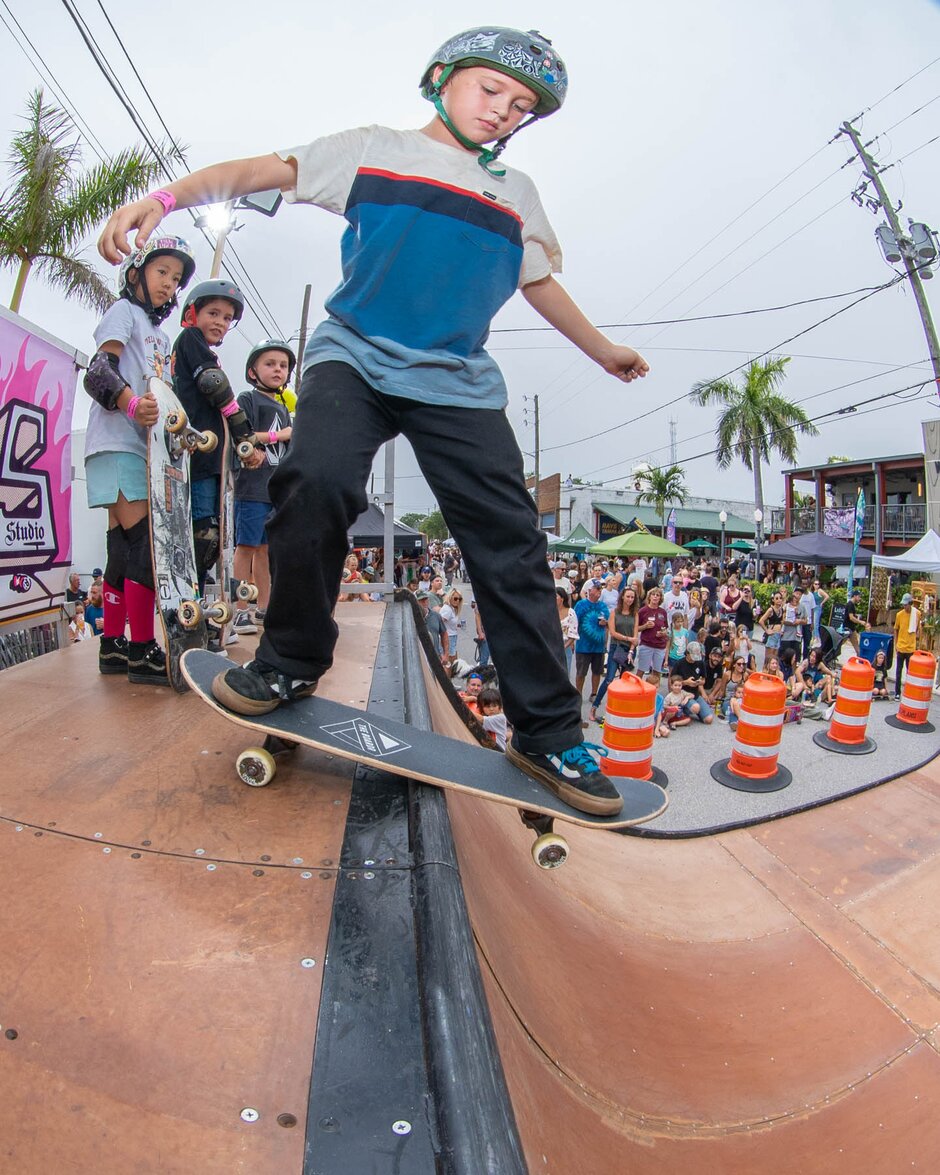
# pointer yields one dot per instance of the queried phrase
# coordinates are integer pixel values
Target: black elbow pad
(213, 384)
(103, 380)
(238, 427)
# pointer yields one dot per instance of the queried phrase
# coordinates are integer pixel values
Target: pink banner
(37, 389)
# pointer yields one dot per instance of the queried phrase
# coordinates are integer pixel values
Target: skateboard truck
(246, 592)
(550, 848)
(191, 612)
(178, 426)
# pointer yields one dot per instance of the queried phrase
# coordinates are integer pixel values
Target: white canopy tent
(924, 556)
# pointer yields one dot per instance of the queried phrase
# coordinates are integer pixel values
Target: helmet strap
(486, 155)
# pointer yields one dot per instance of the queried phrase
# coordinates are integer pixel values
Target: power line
(46, 74)
(900, 85)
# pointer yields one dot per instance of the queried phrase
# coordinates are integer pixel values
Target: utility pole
(672, 440)
(905, 245)
(302, 340)
(221, 237)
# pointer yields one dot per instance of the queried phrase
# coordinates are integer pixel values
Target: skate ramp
(164, 931)
(763, 999)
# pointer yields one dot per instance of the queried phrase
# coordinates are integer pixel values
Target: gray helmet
(528, 57)
(216, 288)
(270, 345)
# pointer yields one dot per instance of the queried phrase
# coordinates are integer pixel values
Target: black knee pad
(139, 566)
(206, 543)
(116, 564)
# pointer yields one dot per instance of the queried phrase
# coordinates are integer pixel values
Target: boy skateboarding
(440, 235)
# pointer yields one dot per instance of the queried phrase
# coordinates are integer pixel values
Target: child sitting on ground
(676, 702)
(494, 720)
(880, 666)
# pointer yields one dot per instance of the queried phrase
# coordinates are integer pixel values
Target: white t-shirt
(676, 603)
(449, 619)
(435, 246)
(145, 355)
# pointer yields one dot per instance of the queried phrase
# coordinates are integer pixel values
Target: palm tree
(756, 421)
(51, 205)
(660, 487)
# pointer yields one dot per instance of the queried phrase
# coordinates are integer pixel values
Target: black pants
(473, 465)
(901, 660)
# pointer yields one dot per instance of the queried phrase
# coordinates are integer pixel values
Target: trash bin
(870, 643)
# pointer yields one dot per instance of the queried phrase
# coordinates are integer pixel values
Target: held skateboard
(182, 615)
(405, 750)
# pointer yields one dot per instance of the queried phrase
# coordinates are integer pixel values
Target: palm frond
(98, 191)
(76, 279)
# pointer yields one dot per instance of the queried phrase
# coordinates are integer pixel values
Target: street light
(722, 518)
(758, 519)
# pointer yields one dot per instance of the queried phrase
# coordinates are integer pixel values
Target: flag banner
(859, 527)
(671, 526)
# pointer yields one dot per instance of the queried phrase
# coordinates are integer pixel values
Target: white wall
(89, 527)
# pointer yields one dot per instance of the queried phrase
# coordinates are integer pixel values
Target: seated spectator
(772, 666)
(494, 720)
(79, 629)
(691, 672)
(743, 647)
(675, 703)
(816, 679)
(713, 680)
(880, 666)
(470, 694)
(732, 680)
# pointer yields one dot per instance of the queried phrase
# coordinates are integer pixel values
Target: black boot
(112, 655)
(146, 663)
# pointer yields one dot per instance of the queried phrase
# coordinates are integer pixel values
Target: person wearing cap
(906, 628)
(853, 620)
(797, 616)
(435, 625)
(692, 671)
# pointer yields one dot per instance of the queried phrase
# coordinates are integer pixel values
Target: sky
(690, 172)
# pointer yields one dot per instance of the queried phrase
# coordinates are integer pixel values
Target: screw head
(249, 1114)
(308, 963)
(401, 1127)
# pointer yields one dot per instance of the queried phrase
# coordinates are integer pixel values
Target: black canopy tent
(815, 548)
(369, 531)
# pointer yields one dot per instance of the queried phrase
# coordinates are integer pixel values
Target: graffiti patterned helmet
(158, 247)
(270, 345)
(215, 288)
(528, 57)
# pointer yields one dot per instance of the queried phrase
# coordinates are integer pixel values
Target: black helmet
(215, 288)
(270, 345)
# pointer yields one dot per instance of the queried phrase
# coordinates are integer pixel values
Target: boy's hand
(144, 215)
(254, 460)
(625, 363)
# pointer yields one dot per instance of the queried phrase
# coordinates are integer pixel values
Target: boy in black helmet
(439, 237)
(203, 389)
(269, 366)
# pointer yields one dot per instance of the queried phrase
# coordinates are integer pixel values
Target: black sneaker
(573, 776)
(146, 663)
(243, 623)
(258, 688)
(112, 655)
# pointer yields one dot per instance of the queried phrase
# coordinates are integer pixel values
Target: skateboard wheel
(550, 851)
(256, 767)
(206, 442)
(175, 421)
(246, 592)
(244, 449)
(189, 613)
(220, 613)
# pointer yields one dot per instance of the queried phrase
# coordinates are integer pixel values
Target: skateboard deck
(171, 532)
(405, 750)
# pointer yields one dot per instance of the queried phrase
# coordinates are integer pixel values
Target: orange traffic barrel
(847, 731)
(753, 763)
(628, 730)
(915, 696)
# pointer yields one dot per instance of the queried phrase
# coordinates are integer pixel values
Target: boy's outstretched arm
(558, 308)
(209, 185)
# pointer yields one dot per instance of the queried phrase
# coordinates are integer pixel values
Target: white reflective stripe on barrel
(618, 722)
(755, 752)
(918, 682)
(761, 719)
(915, 703)
(627, 756)
(855, 695)
(850, 719)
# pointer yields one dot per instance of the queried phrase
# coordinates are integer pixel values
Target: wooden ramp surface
(164, 926)
(760, 1000)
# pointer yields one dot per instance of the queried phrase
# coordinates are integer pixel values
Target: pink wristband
(272, 436)
(167, 199)
(132, 407)
(230, 408)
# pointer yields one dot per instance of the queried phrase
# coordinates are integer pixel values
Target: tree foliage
(52, 203)
(755, 421)
(660, 487)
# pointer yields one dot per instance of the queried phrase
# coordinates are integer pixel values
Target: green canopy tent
(580, 539)
(701, 545)
(638, 542)
(741, 545)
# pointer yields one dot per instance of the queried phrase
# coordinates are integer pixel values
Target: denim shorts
(204, 497)
(108, 475)
(250, 518)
